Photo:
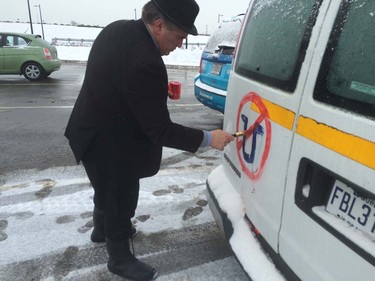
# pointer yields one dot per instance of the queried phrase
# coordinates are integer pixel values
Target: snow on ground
(66, 190)
(187, 57)
(190, 57)
(45, 213)
(52, 30)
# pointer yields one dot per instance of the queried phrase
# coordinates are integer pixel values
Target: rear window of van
(274, 41)
(347, 74)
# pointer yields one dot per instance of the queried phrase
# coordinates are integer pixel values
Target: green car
(28, 55)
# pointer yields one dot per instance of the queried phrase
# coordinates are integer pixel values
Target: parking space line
(41, 84)
(38, 107)
(81, 81)
(71, 106)
(184, 104)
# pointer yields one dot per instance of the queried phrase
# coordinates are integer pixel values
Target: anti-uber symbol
(254, 146)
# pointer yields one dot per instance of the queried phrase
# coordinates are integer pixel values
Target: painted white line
(185, 104)
(81, 82)
(41, 84)
(38, 107)
(71, 106)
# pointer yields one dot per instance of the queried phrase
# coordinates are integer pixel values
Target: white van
(295, 195)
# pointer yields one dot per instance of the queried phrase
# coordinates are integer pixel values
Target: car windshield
(226, 35)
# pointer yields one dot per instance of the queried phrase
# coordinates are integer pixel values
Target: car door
(15, 53)
(264, 95)
(2, 40)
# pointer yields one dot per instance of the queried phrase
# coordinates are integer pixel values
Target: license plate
(359, 212)
(216, 68)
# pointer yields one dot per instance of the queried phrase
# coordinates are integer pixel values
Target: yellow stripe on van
(278, 114)
(353, 147)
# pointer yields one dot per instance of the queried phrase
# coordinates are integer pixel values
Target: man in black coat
(120, 121)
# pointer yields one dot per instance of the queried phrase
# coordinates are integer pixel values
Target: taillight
(47, 54)
(200, 67)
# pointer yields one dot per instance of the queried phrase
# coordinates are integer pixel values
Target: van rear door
(328, 228)
(265, 89)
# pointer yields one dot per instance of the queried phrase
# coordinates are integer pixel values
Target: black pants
(115, 185)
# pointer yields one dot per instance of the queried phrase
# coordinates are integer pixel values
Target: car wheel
(33, 71)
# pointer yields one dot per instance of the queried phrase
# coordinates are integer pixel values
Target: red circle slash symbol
(250, 134)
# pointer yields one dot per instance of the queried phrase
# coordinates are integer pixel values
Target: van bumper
(229, 213)
(224, 201)
(221, 218)
(209, 96)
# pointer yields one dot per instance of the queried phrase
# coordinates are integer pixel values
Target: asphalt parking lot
(46, 199)
(34, 115)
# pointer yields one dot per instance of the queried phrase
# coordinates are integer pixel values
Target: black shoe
(133, 231)
(122, 262)
(97, 235)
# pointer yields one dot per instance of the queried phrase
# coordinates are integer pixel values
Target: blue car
(210, 85)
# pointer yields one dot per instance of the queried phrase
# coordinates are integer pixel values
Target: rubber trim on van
(222, 220)
(275, 257)
(226, 223)
(236, 171)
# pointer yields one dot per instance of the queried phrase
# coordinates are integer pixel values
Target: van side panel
(270, 52)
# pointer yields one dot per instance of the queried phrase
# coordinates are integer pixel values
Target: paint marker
(239, 134)
(249, 131)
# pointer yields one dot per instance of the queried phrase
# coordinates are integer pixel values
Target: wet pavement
(46, 199)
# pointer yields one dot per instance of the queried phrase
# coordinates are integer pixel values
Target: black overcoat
(123, 101)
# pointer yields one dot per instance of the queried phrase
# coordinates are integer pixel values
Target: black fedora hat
(180, 12)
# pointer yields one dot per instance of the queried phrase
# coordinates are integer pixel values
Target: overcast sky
(102, 12)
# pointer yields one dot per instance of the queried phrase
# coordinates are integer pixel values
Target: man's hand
(170, 94)
(219, 139)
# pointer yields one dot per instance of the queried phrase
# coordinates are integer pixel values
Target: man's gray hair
(151, 13)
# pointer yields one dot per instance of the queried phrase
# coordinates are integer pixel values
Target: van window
(274, 41)
(347, 74)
